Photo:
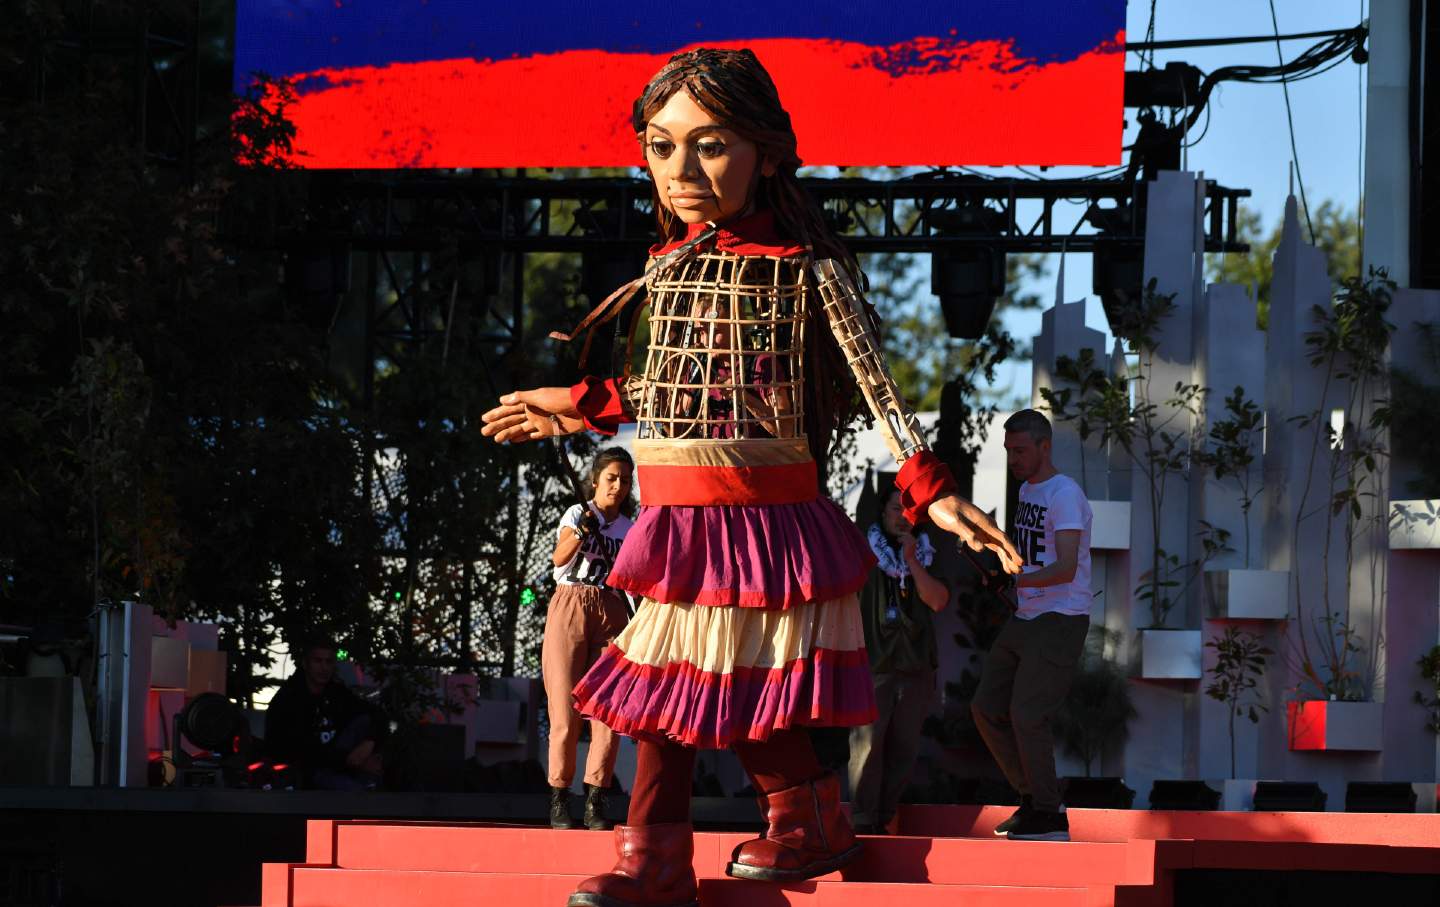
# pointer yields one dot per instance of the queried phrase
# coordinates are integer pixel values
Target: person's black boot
(560, 808)
(595, 800)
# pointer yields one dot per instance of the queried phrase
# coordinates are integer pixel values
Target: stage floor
(944, 855)
(85, 847)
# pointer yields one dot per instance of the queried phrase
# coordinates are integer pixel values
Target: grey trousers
(1025, 679)
(883, 754)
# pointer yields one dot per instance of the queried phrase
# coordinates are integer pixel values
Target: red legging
(664, 772)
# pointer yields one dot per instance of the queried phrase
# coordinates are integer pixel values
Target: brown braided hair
(734, 87)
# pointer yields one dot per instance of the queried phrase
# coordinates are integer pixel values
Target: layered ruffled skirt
(749, 624)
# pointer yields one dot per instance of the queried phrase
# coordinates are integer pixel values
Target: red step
(313, 887)
(1119, 859)
(526, 851)
(1395, 830)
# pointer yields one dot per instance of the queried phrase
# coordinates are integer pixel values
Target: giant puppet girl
(749, 628)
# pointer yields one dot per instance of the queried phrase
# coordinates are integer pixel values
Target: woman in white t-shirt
(583, 618)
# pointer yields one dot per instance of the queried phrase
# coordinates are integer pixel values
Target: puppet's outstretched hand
(526, 416)
(959, 517)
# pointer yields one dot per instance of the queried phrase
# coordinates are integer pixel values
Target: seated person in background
(318, 724)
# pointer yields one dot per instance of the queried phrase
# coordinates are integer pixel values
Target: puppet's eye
(710, 150)
(661, 148)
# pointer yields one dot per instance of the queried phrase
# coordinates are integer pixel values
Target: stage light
(1184, 795)
(342, 654)
(1289, 796)
(1380, 797)
(217, 726)
(968, 281)
(1117, 276)
(967, 278)
(527, 597)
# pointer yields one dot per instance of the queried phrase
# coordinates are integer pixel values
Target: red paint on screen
(949, 103)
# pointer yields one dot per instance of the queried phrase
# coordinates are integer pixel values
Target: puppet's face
(702, 170)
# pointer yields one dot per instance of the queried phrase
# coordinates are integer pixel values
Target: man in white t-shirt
(1029, 668)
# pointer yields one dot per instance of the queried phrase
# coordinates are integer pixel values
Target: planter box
(1415, 525)
(1170, 654)
(1247, 594)
(1110, 526)
(1318, 724)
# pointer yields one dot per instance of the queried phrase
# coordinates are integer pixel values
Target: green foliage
(1338, 679)
(1239, 665)
(177, 428)
(1337, 234)
(1157, 436)
(1349, 344)
(1429, 698)
(1233, 443)
(921, 355)
(1095, 717)
(982, 613)
(1168, 580)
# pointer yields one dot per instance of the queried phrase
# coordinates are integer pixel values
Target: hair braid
(735, 88)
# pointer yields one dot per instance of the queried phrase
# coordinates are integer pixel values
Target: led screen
(540, 83)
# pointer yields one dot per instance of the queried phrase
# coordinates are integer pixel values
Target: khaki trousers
(580, 623)
(1027, 674)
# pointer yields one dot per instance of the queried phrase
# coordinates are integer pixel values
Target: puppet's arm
(860, 342)
(925, 484)
(606, 403)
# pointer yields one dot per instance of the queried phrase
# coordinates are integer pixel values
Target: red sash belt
(697, 486)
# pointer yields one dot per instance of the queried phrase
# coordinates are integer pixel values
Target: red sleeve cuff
(598, 403)
(922, 481)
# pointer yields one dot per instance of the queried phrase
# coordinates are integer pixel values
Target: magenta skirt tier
(751, 556)
(708, 676)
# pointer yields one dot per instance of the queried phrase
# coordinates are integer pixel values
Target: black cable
(1290, 119)
(1140, 47)
(1202, 131)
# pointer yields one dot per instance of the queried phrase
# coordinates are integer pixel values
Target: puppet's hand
(526, 416)
(958, 516)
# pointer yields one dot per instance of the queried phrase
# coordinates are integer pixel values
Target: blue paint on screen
(286, 37)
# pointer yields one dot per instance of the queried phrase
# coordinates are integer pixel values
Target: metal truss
(926, 213)
(418, 248)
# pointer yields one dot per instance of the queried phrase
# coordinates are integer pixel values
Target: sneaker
(1026, 808)
(1041, 825)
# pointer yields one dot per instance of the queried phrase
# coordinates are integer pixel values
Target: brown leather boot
(808, 836)
(656, 869)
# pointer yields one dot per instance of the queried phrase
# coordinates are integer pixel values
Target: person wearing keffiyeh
(896, 608)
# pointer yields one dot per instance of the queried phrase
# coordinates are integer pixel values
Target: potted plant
(1230, 455)
(1095, 717)
(1234, 678)
(1333, 710)
(1157, 436)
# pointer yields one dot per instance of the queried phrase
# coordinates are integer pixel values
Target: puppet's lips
(690, 199)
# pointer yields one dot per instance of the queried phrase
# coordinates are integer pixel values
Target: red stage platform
(946, 855)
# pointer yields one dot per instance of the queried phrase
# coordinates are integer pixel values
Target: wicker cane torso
(723, 382)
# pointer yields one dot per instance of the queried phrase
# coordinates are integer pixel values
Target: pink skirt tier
(708, 676)
(750, 556)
